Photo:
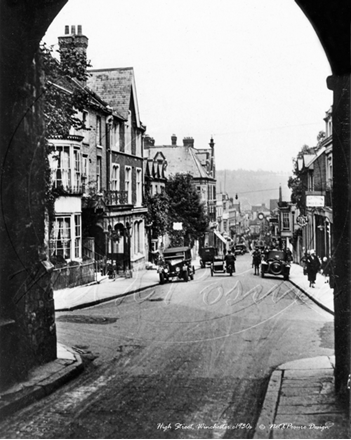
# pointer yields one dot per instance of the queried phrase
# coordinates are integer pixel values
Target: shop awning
(220, 237)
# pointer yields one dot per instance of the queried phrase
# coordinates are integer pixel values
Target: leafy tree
(295, 182)
(64, 93)
(157, 213)
(186, 207)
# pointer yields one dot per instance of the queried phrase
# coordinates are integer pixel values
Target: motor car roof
(176, 249)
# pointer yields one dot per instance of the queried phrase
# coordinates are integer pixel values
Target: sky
(250, 73)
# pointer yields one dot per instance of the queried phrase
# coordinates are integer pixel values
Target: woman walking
(312, 264)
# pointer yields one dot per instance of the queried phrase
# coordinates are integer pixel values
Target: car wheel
(286, 277)
(162, 278)
(186, 276)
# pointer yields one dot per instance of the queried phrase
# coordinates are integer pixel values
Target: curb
(312, 298)
(43, 388)
(103, 300)
(110, 298)
(270, 405)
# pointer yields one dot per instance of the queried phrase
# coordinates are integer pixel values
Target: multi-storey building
(122, 227)
(98, 173)
(313, 227)
(75, 163)
(167, 160)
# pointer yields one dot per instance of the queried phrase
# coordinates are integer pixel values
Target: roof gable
(182, 159)
(116, 87)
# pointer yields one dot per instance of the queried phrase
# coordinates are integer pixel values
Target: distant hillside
(256, 186)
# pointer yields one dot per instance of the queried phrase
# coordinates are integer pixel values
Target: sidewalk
(41, 381)
(107, 289)
(321, 294)
(300, 401)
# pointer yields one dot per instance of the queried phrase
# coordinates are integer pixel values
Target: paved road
(182, 360)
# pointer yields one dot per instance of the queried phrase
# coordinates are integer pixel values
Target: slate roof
(182, 159)
(117, 87)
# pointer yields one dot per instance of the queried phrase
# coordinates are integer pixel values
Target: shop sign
(314, 201)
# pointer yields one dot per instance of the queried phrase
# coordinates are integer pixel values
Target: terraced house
(97, 174)
(121, 236)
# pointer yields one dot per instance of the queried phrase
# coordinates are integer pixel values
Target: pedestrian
(230, 260)
(313, 265)
(256, 261)
(326, 269)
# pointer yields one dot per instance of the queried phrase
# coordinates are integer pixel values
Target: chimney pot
(79, 29)
(73, 30)
(66, 30)
(174, 139)
(188, 142)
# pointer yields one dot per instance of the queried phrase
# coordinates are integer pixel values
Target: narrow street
(181, 360)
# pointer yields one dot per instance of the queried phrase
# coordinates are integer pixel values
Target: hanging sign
(314, 201)
(177, 226)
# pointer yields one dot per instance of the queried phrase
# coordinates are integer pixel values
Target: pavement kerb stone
(43, 388)
(312, 299)
(107, 299)
(270, 406)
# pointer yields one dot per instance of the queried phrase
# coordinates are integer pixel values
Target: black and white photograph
(175, 197)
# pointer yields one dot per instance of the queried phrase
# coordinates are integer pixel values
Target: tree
(64, 92)
(297, 188)
(157, 213)
(63, 96)
(295, 182)
(186, 207)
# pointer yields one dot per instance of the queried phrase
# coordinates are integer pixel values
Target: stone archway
(332, 21)
(21, 136)
(27, 319)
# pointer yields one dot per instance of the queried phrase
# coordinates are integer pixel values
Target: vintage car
(176, 264)
(240, 249)
(207, 255)
(275, 263)
(219, 265)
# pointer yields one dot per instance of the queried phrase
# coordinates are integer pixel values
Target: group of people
(313, 265)
(311, 261)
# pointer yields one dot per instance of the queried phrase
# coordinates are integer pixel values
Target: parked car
(275, 263)
(207, 255)
(176, 264)
(240, 249)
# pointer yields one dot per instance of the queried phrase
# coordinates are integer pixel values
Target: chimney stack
(79, 41)
(188, 142)
(174, 139)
